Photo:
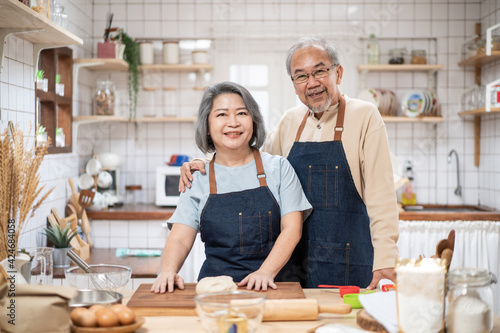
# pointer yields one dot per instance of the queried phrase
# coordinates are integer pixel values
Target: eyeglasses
(320, 73)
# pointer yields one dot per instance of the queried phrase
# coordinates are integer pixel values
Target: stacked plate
(384, 99)
(420, 102)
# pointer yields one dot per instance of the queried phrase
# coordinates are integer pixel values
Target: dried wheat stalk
(20, 179)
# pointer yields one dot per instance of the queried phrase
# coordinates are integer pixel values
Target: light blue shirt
(281, 180)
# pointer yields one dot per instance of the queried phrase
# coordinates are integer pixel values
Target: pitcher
(42, 265)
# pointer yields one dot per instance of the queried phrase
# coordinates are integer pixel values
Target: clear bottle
(372, 51)
(105, 98)
(469, 301)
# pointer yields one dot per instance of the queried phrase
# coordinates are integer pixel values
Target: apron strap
(258, 163)
(339, 127)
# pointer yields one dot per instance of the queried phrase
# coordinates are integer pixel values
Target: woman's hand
(167, 281)
(187, 170)
(258, 280)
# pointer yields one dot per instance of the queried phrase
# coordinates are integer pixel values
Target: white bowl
(110, 161)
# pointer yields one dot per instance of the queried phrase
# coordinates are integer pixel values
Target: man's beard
(322, 108)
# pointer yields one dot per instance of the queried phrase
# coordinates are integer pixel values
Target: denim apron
(336, 246)
(239, 228)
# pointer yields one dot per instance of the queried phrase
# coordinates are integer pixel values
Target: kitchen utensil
(85, 200)
(100, 277)
(353, 300)
(88, 297)
(451, 240)
(55, 218)
(441, 245)
(84, 248)
(74, 195)
(342, 289)
(221, 312)
(42, 265)
(300, 309)
(181, 302)
(108, 29)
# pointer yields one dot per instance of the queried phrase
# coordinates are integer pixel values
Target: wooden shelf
(15, 15)
(479, 112)
(115, 119)
(102, 64)
(400, 68)
(481, 59)
(177, 68)
(392, 119)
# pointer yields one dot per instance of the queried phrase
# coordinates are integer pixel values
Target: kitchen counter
(142, 267)
(450, 213)
(182, 324)
(132, 212)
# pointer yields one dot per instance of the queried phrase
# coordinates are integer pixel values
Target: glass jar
(469, 301)
(169, 102)
(418, 57)
(59, 17)
(40, 6)
(396, 56)
(149, 102)
(105, 98)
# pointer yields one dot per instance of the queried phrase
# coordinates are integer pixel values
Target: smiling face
(317, 94)
(230, 124)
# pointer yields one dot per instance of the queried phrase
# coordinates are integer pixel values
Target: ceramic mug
(104, 179)
(93, 166)
(85, 181)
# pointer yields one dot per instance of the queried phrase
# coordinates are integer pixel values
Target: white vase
(13, 267)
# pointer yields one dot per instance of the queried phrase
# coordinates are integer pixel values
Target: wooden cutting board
(181, 302)
(367, 322)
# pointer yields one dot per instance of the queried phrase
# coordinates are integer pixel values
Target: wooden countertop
(132, 212)
(182, 324)
(430, 213)
(142, 267)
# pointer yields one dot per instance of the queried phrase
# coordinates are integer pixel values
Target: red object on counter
(387, 287)
(342, 289)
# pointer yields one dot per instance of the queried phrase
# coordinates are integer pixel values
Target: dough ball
(213, 284)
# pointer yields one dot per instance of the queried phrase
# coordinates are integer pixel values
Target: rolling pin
(300, 309)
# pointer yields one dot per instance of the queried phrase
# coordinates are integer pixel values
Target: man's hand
(187, 170)
(167, 281)
(386, 273)
(258, 280)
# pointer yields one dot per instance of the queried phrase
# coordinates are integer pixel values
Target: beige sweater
(367, 150)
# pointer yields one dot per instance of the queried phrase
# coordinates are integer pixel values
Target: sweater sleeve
(380, 197)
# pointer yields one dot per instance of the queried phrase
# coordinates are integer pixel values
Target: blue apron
(239, 228)
(336, 246)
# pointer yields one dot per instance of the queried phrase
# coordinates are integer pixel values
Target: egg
(107, 318)
(94, 308)
(126, 315)
(86, 318)
(75, 313)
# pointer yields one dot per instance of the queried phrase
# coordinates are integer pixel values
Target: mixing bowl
(88, 297)
(104, 277)
(232, 311)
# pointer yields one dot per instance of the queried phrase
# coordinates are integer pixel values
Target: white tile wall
(149, 145)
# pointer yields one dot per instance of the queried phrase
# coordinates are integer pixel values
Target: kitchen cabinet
(431, 71)
(54, 109)
(477, 62)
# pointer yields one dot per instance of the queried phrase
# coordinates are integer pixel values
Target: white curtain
(477, 244)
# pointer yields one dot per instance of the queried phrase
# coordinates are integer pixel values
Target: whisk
(99, 280)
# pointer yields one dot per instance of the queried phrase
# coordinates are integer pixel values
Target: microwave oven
(167, 185)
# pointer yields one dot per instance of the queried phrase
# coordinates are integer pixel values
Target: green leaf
(39, 74)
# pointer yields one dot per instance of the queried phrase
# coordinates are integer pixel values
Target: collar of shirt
(328, 114)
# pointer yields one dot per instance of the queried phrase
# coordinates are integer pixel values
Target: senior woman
(249, 207)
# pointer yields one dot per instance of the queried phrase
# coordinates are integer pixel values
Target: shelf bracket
(77, 66)
(3, 36)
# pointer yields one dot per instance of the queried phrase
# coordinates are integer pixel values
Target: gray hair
(203, 140)
(308, 42)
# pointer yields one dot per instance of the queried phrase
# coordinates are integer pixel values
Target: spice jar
(147, 53)
(105, 98)
(396, 56)
(418, 57)
(469, 301)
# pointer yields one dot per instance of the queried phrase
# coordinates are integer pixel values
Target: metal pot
(61, 260)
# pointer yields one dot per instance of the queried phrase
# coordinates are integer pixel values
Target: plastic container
(418, 57)
(396, 56)
(105, 98)
(372, 51)
(170, 53)
(469, 301)
(200, 57)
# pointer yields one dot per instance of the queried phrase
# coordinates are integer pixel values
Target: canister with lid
(200, 57)
(170, 53)
(147, 53)
(418, 57)
(105, 98)
(396, 56)
(469, 301)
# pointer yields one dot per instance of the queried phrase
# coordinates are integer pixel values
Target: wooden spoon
(451, 240)
(441, 246)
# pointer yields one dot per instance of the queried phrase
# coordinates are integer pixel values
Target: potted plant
(61, 240)
(132, 56)
(41, 82)
(41, 135)
(60, 137)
